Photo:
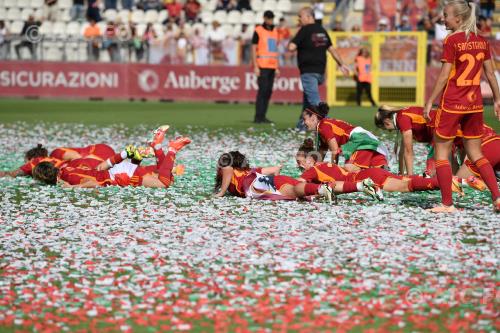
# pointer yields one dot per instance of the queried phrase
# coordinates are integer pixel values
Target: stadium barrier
(142, 81)
(398, 67)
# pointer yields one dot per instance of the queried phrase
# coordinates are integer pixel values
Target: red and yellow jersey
(241, 179)
(83, 163)
(489, 139)
(76, 176)
(28, 167)
(339, 130)
(98, 151)
(462, 93)
(412, 118)
(324, 173)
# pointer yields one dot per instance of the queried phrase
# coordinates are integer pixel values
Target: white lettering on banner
(222, 84)
(281, 83)
(47, 79)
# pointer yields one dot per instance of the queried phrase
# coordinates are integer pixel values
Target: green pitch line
(209, 115)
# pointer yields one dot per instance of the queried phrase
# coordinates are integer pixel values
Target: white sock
(359, 186)
(124, 154)
(157, 147)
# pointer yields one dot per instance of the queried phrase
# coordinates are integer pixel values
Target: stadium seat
(209, 6)
(234, 17)
(159, 29)
(25, 13)
(3, 13)
(256, 5)
(13, 14)
(16, 27)
(65, 4)
(124, 15)
(64, 16)
(38, 14)
(207, 17)
(200, 27)
(137, 16)
(220, 16)
(151, 16)
(23, 4)
(359, 5)
(228, 29)
(10, 4)
(36, 3)
(110, 15)
(284, 6)
(59, 28)
(73, 29)
(46, 28)
(52, 53)
(258, 18)
(162, 16)
(248, 17)
(269, 5)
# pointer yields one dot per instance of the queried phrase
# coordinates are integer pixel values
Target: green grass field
(179, 115)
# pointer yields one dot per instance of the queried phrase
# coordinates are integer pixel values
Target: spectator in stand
(28, 30)
(319, 8)
(149, 4)
(77, 11)
(111, 42)
(92, 34)
(199, 45)
(93, 11)
(311, 43)
(174, 9)
(363, 75)
(110, 4)
(487, 8)
(148, 36)
(216, 36)
(192, 9)
(50, 10)
(243, 5)
(127, 4)
(170, 42)
(4, 41)
(425, 24)
(405, 24)
(484, 29)
(383, 25)
(284, 35)
(226, 5)
(135, 44)
(338, 25)
(245, 39)
(229, 47)
(182, 48)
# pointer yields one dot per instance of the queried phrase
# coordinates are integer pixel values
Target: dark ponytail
(38, 151)
(321, 110)
(233, 159)
(307, 149)
(383, 113)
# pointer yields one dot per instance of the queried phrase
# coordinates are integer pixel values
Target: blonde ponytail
(467, 12)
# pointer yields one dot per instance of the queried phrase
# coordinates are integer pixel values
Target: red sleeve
(448, 51)
(326, 132)
(309, 175)
(258, 170)
(27, 168)
(404, 123)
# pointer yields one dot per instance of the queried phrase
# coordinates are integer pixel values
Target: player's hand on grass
(219, 195)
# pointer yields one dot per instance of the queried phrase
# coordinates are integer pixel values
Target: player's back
(467, 55)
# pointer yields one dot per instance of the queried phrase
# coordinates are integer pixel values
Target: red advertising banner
(123, 81)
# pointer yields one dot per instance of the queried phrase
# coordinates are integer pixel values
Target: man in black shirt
(30, 36)
(311, 43)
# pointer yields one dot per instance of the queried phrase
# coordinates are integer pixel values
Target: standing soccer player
(464, 55)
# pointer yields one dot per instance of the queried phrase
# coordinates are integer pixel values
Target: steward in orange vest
(266, 64)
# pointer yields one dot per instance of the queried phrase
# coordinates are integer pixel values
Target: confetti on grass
(127, 259)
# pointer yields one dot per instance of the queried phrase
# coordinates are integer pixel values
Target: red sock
(349, 187)
(418, 183)
(444, 177)
(311, 189)
(160, 155)
(165, 168)
(488, 176)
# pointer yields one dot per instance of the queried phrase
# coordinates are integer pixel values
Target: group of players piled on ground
(456, 128)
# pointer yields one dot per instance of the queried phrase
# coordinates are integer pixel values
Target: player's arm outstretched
(12, 173)
(227, 174)
(438, 88)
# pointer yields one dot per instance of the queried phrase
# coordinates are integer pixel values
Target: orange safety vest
(267, 48)
(364, 69)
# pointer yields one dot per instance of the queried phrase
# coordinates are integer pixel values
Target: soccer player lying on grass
(124, 173)
(59, 157)
(322, 172)
(360, 148)
(235, 176)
